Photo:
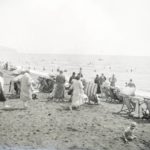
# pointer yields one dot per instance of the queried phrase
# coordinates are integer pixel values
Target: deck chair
(90, 91)
(127, 102)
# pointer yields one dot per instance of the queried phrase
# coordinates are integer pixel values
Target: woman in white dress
(26, 88)
(78, 97)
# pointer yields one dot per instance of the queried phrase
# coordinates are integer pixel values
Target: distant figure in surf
(126, 84)
(131, 84)
(44, 68)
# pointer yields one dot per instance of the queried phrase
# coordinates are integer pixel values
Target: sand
(49, 125)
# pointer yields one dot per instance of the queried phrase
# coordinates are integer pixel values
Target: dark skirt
(2, 96)
(98, 89)
(59, 91)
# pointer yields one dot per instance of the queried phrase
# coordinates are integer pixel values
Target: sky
(111, 27)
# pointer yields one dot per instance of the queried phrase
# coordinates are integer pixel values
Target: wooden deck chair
(90, 91)
(127, 103)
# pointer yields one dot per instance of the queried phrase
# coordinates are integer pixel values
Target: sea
(124, 67)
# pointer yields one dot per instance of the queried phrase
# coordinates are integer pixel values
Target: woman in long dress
(26, 88)
(78, 96)
(59, 88)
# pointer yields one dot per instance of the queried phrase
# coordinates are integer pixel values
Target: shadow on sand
(12, 109)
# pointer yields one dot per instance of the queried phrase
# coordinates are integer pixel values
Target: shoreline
(138, 92)
(91, 66)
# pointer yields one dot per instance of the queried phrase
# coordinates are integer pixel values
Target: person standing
(26, 88)
(59, 89)
(78, 93)
(80, 73)
(112, 80)
(96, 81)
(102, 79)
(72, 77)
(2, 96)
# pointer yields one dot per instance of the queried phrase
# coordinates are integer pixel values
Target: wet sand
(49, 125)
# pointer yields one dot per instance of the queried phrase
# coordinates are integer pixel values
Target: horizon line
(87, 54)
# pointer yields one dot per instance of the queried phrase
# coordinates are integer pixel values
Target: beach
(50, 125)
(74, 75)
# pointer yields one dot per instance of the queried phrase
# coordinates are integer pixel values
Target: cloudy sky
(76, 26)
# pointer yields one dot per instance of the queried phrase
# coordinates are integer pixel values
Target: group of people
(102, 81)
(77, 95)
(75, 89)
(24, 88)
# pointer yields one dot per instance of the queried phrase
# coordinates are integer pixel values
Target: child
(128, 133)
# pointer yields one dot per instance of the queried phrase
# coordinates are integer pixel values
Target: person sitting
(128, 133)
(129, 89)
(131, 84)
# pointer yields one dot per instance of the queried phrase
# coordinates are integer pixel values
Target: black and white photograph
(74, 75)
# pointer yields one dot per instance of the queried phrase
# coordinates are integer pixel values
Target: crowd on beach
(23, 86)
(75, 88)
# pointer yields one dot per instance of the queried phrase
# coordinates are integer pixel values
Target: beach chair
(90, 91)
(127, 105)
